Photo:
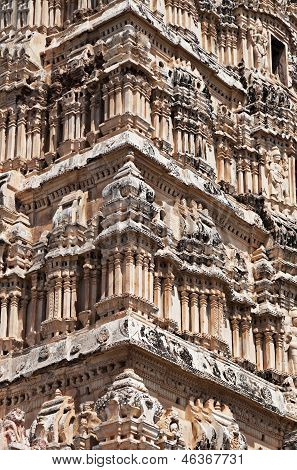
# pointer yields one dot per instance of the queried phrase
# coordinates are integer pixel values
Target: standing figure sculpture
(260, 46)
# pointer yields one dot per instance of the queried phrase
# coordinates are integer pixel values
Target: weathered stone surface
(148, 229)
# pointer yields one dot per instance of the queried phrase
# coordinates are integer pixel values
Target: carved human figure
(291, 342)
(276, 177)
(260, 44)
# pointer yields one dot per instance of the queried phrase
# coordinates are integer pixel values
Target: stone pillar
(240, 187)
(86, 269)
(185, 323)
(103, 279)
(36, 150)
(157, 290)
(10, 148)
(279, 352)
(3, 319)
(67, 298)
(235, 336)
(118, 274)
(151, 281)
(194, 312)
(167, 308)
(269, 353)
(45, 13)
(145, 278)
(30, 327)
(73, 297)
(259, 349)
(110, 277)
(51, 300)
(37, 19)
(13, 327)
(138, 275)
(21, 133)
(3, 117)
(213, 315)
(39, 314)
(58, 297)
(203, 313)
(129, 271)
(245, 330)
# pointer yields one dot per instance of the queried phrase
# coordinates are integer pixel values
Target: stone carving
(13, 431)
(171, 433)
(71, 210)
(147, 222)
(213, 426)
(291, 342)
(171, 349)
(260, 43)
(278, 176)
(54, 425)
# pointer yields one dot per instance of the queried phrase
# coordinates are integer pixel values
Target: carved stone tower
(148, 224)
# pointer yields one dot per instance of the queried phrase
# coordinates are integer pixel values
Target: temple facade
(148, 224)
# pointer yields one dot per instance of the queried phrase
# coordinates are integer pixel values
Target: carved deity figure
(13, 431)
(278, 176)
(260, 45)
(291, 342)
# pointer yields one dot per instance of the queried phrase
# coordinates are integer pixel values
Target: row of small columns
(37, 13)
(74, 121)
(130, 95)
(20, 135)
(188, 142)
(201, 312)
(128, 272)
(240, 342)
(61, 297)
(10, 326)
(180, 13)
(269, 350)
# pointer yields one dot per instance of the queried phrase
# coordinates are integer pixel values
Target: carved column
(245, 330)
(157, 290)
(45, 13)
(14, 317)
(138, 275)
(110, 277)
(167, 309)
(279, 352)
(145, 278)
(3, 117)
(73, 297)
(118, 274)
(10, 149)
(194, 312)
(213, 315)
(259, 349)
(103, 279)
(203, 313)
(151, 281)
(4, 319)
(235, 335)
(185, 320)
(67, 297)
(36, 150)
(240, 187)
(32, 312)
(269, 353)
(129, 271)
(87, 285)
(58, 297)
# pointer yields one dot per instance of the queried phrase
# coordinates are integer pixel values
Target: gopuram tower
(148, 224)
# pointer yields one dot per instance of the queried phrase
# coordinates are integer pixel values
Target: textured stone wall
(148, 217)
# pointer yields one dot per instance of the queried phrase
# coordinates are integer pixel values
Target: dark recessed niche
(278, 59)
